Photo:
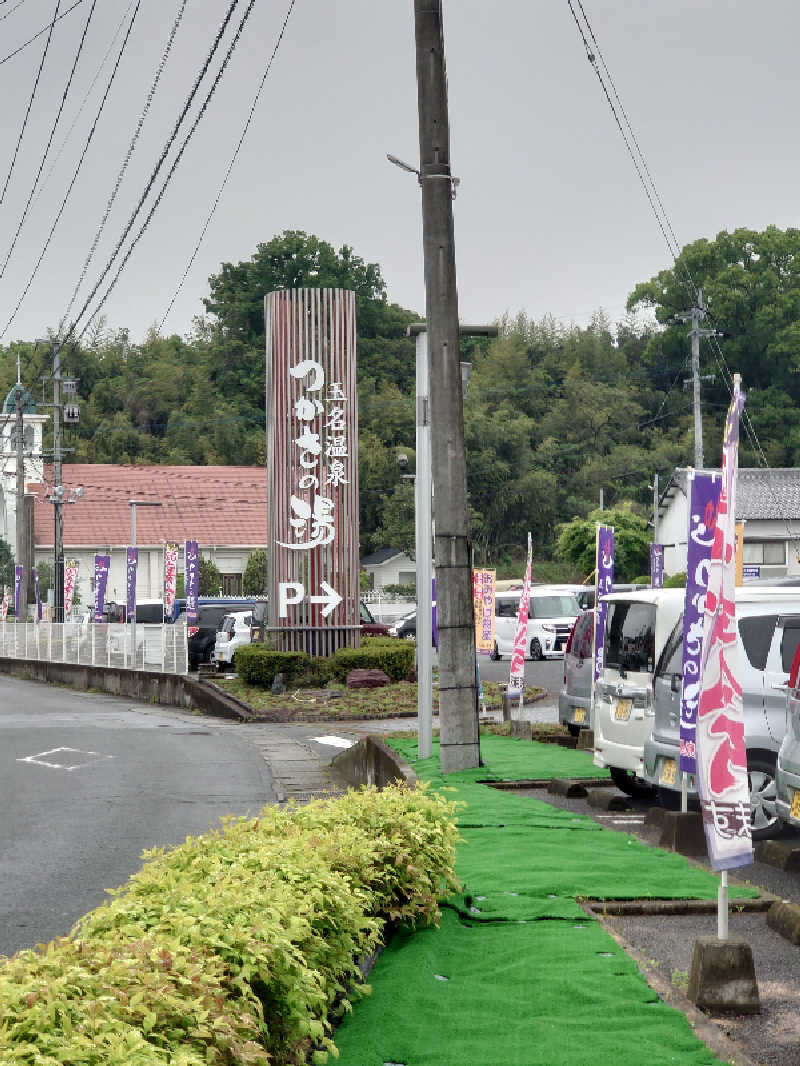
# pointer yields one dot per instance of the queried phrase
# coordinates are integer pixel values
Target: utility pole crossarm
(696, 316)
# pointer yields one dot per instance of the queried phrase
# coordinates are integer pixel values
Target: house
(389, 566)
(767, 505)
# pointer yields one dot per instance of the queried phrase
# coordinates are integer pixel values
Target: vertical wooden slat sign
(312, 470)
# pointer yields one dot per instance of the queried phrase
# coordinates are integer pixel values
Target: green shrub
(236, 946)
(394, 657)
(258, 665)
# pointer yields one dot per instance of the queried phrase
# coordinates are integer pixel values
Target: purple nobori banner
(191, 580)
(132, 565)
(722, 779)
(703, 506)
(35, 573)
(656, 566)
(18, 575)
(101, 565)
(604, 583)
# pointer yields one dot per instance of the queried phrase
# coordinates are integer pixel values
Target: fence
(159, 648)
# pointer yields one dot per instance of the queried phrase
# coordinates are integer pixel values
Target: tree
(209, 579)
(632, 539)
(45, 572)
(255, 573)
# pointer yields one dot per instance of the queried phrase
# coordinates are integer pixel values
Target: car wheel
(574, 730)
(536, 650)
(494, 654)
(627, 782)
(764, 821)
(410, 636)
(669, 799)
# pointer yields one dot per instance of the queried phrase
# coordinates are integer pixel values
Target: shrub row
(238, 946)
(258, 665)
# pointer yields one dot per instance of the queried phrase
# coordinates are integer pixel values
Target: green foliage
(576, 542)
(257, 664)
(254, 582)
(45, 572)
(238, 945)
(6, 564)
(394, 657)
(209, 579)
(677, 581)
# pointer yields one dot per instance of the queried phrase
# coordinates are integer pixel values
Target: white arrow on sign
(331, 599)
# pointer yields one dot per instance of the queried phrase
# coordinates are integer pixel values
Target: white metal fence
(159, 648)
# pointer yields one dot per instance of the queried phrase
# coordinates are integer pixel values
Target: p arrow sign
(331, 598)
(291, 593)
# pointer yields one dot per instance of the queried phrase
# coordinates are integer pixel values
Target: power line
(125, 162)
(30, 102)
(156, 169)
(233, 159)
(50, 138)
(36, 36)
(13, 9)
(76, 172)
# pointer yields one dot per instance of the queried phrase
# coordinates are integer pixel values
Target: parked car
(369, 627)
(787, 776)
(234, 631)
(638, 625)
(405, 627)
(575, 697)
(551, 615)
(202, 636)
(768, 641)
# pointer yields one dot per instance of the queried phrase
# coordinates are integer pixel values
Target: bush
(238, 945)
(394, 657)
(677, 581)
(258, 665)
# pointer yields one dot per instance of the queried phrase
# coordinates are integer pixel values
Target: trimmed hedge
(238, 946)
(258, 665)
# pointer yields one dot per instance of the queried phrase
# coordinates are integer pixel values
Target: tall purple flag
(720, 748)
(35, 573)
(191, 580)
(132, 564)
(656, 566)
(101, 565)
(18, 574)
(604, 583)
(703, 506)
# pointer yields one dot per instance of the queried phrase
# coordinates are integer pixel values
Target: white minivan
(551, 615)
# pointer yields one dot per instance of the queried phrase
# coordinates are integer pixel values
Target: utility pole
(19, 523)
(58, 490)
(459, 736)
(696, 316)
(656, 530)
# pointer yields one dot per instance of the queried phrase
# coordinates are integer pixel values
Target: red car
(369, 627)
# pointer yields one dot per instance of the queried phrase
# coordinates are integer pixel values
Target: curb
(784, 917)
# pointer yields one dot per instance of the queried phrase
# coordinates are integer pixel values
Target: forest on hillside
(553, 415)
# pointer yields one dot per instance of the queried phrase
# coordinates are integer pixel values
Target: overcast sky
(550, 216)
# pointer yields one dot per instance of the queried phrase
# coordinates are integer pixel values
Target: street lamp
(133, 504)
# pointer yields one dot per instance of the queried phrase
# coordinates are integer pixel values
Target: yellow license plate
(796, 806)
(578, 715)
(622, 711)
(668, 772)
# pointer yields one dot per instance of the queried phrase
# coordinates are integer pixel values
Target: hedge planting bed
(238, 946)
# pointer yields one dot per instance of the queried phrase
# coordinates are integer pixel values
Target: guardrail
(159, 648)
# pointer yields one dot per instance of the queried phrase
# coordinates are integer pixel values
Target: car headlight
(548, 628)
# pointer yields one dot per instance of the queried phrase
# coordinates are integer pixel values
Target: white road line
(334, 742)
(70, 765)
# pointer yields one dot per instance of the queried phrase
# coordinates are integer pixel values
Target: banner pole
(684, 793)
(722, 907)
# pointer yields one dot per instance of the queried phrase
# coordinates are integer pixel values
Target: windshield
(631, 636)
(562, 606)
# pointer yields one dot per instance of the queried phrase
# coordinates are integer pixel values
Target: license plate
(796, 806)
(578, 715)
(668, 772)
(622, 711)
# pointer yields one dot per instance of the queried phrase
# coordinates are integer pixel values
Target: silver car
(768, 640)
(575, 697)
(787, 778)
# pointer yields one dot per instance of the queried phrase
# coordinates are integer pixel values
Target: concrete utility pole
(19, 523)
(696, 316)
(459, 738)
(58, 491)
(656, 529)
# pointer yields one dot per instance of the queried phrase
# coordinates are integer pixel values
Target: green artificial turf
(558, 993)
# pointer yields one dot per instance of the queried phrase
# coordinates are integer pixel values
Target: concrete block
(559, 786)
(586, 740)
(784, 918)
(723, 978)
(521, 730)
(778, 853)
(608, 800)
(655, 817)
(682, 831)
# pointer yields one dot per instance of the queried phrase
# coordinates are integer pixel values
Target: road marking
(70, 763)
(334, 742)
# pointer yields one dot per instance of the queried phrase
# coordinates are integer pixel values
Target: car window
(671, 661)
(789, 644)
(553, 606)
(151, 613)
(365, 613)
(582, 636)
(507, 608)
(210, 616)
(756, 633)
(631, 636)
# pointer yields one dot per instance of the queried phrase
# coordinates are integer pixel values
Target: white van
(638, 625)
(551, 615)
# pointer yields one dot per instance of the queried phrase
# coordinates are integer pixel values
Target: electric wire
(231, 164)
(30, 102)
(50, 138)
(13, 9)
(151, 181)
(85, 100)
(76, 171)
(36, 36)
(125, 162)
